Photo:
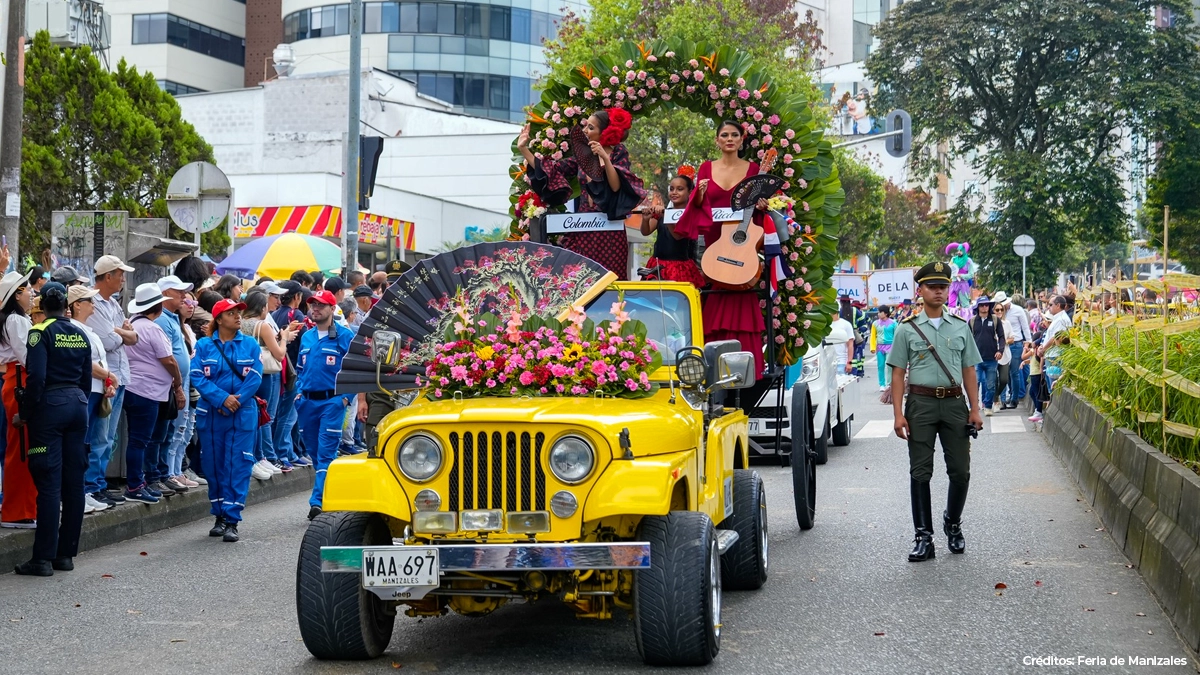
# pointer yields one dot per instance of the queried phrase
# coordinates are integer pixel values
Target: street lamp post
(350, 193)
(1023, 246)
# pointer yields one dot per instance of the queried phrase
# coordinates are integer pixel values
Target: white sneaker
(1035, 418)
(195, 478)
(259, 472)
(995, 407)
(271, 465)
(93, 505)
(987, 412)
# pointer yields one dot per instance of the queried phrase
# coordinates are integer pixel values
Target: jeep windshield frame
(666, 313)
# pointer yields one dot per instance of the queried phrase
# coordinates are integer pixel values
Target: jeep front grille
(497, 471)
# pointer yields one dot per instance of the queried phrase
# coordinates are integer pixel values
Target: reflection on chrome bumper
(501, 557)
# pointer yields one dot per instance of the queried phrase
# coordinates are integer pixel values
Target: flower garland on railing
(718, 83)
(528, 355)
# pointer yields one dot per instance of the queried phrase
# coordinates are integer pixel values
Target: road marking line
(875, 429)
(1007, 425)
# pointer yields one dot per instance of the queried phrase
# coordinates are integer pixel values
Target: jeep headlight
(572, 459)
(420, 457)
(811, 370)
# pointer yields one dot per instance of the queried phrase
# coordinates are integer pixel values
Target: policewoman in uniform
(322, 411)
(938, 351)
(54, 407)
(227, 370)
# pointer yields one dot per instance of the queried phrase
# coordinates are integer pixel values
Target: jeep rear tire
(677, 602)
(744, 565)
(804, 466)
(339, 620)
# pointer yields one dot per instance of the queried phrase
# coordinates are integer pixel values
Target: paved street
(841, 597)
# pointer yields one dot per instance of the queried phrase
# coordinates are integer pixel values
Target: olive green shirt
(954, 343)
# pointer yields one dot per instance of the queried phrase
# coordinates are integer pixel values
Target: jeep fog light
(563, 504)
(428, 500)
(528, 522)
(483, 520)
(435, 522)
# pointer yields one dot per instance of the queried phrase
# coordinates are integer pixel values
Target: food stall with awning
(380, 238)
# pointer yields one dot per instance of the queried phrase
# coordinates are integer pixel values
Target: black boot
(35, 568)
(922, 512)
(218, 529)
(63, 564)
(956, 499)
(231, 534)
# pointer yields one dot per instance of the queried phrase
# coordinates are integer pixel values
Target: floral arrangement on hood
(528, 355)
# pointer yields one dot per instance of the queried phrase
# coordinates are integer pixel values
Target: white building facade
(189, 45)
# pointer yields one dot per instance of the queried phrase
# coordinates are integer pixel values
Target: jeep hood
(655, 426)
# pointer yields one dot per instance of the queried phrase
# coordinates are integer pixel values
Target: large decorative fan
(496, 277)
(581, 150)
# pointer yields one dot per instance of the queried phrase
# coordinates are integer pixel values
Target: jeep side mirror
(385, 348)
(735, 370)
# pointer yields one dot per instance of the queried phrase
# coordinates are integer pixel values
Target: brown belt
(936, 392)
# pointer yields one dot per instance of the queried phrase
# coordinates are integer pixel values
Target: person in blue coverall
(322, 411)
(227, 370)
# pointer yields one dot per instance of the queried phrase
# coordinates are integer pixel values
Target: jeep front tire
(339, 620)
(677, 602)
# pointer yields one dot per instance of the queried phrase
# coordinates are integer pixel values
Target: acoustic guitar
(732, 261)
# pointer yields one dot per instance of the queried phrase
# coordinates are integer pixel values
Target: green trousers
(378, 406)
(931, 418)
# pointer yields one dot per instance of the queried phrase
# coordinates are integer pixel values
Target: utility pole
(10, 134)
(350, 208)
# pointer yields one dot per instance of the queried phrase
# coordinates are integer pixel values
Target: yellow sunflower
(573, 352)
(485, 352)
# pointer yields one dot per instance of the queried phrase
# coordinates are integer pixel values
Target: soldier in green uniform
(374, 406)
(938, 351)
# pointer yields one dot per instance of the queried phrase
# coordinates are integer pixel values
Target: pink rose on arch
(630, 76)
(595, 82)
(751, 129)
(743, 94)
(606, 92)
(687, 73)
(589, 94)
(691, 89)
(783, 142)
(642, 93)
(698, 75)
(793, 332)
(767, 139)
(695, 63)
(629, 64)
(606, 102)
(803, 183)
(739, 114)
(774, 119)
(779, 339)
(724, 72)
(724, 93)
(614, 80)
(620, 96)
(712, 88)
(791, 317)
(788, 172)
(652, 58)
(641, 75)
(557, 155)
(758, 115)
(564, 146)
(666, 97)
(787, 186)
(651, 82)
(637, 107)
(787, 158)
(741, 82)
(674, 78)
(572, 91)
(670, 55)
(805, 205)
(550, 133)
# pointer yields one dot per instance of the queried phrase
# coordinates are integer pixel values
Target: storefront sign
(319, 221)
(571, 223)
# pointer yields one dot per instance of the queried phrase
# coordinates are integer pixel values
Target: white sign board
(891, 287)
(672, 216)
(726, 216)
(12, 205)
(853, 285)
(570, 223)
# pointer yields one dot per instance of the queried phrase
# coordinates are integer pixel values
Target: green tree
(862, 214)
(1041, 92)
(1176, 183)
(908, 237)
(769, 30)
(98, 140)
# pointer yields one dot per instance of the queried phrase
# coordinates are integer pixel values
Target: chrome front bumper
(508, 557)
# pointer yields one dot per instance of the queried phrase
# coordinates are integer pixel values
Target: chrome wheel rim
(714, 580)
(764, 542)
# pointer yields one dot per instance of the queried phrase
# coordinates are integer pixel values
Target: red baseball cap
(323, 297)
(226, 305)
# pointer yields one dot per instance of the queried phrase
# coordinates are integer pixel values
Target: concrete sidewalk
(131, 520)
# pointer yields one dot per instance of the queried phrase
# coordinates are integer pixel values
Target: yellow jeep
(466, 504)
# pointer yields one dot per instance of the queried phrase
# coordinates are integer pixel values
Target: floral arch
(718, 83)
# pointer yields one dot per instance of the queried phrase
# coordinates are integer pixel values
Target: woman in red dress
(674, 253)
(732, 315)
(616, 196)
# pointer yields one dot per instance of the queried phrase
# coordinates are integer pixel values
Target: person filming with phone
(938, 353)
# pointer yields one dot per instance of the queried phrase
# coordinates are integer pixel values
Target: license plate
(754, 427)
(390, 567)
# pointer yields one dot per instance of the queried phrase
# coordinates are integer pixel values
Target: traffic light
(370, 148)
(900, 144)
